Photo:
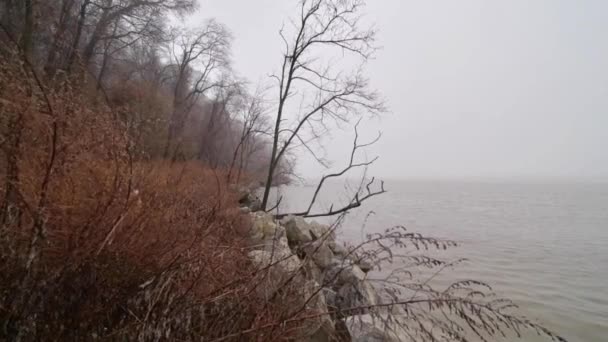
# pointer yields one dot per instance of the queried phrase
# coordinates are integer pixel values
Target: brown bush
(95, 243)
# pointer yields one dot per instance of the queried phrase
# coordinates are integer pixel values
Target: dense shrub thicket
(96, 243)
(119, 139)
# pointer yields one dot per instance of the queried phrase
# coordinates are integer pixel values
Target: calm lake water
(543, 245)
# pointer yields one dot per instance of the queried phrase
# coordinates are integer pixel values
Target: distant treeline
(172, 86)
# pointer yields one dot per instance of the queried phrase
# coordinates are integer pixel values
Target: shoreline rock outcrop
(331, 278)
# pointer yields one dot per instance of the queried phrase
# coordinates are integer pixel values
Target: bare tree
(28, 28)
(58, 42)
(198, 58)
(17, 20)
(135, 16)
(88, 25)
(328, 94)
(216, 121)
(79, 27)
(251, 114)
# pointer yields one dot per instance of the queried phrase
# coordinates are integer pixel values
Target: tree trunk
(28, 30)
(10, 213)
(106, 57)
(76, 41)
(51, 60)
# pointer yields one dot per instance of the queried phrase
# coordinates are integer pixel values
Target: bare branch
(356, 200)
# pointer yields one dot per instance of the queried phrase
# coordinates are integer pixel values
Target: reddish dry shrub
(96, 244)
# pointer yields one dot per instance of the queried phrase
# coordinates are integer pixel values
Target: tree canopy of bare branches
(328, 94)
(198, 59)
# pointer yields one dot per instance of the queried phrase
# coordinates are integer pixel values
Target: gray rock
(321, 328)
(359, 294)
(330, 298)
(320, 253)
(351, 287)
(245, 197)
(364, 328)
(251, 201)
(320, 231)
(365, 265)
(298, 230)
(270, 244)
(281, 262)
(256, 205)
(312, 271)
(280, 265)
(323, 334)
(264, 230)
(341, 272)
(352, 274)
(337, 248)
(274, 246)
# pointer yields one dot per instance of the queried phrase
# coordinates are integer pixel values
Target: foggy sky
(476, 89)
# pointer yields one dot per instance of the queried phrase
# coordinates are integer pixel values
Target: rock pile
(331, 277)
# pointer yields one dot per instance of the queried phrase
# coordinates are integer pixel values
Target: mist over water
(543, 245)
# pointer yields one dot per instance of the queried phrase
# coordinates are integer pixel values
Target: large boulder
(320, 231)
(353, 290)
(364, 328)
(301, 231)
(255, 205)
(366, 265)
(337, 248)
(245, 197)
(298, 230)
(320, 328)
(251, 201)
(351, 274)
(319, 252)
(272, 254)
(356, 297)
(312, 271)
(274, 269)
(265, 231)
(343, 252)
(330, 298)
(270, 237)
(342, 271)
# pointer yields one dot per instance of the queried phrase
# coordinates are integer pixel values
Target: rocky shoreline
(332, 278)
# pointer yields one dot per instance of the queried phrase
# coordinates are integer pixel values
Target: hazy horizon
(313, 181)
(512, 90)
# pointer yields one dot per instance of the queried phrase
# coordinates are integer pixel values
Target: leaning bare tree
(315, 93)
